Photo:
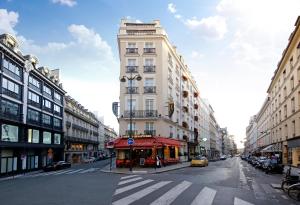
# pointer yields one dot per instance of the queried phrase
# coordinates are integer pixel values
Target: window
(33, 97)
(33, 115)
(149, 82)
(47, 90)
(293, 128)
(10, 108)
(133, 126)
(149, 104)
(57, 96)
(57, 138)
(279, 115)
(131, 62)
(33, 136)
(47, 137)
(293, 104)
(132, 82)
(131, 45)
(46, 103)
(34, 82)
(285, 111)
(149, 62)
(133, 102)
(292, 83)
(12, 67)
(284, 92)
(46, 119)
(11, 86)
(57, 109)
(149, 45)
(149, 126)
(298, 74)
(56, 122)
(10, 133)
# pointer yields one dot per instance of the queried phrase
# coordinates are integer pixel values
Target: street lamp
(123, 79)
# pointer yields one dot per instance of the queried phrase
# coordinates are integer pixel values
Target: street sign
(130, 141)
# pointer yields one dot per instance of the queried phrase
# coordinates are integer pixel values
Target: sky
(232, 47)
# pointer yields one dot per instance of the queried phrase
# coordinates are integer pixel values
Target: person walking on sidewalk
(158, 165)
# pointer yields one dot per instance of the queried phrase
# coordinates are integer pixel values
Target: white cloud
(69, 3)
(213, 27)
(8, 21)
(196, 55)
(178, 16)
(172, 8)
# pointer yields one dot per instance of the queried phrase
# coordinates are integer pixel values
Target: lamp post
(123, 79)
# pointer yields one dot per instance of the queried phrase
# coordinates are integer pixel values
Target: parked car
(272, 166)
(199, 161)
(57, 166)
(260, 162)
(223, 157)
(89, 160)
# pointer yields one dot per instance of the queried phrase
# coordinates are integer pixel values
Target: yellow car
(199, 161)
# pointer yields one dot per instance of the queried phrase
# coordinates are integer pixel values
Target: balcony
(131, 69)
(9, 115)
(150, 89)
(131, 50)
(150, 132)
(149, 69)
(185, 93)
(149, 50)
(141, 114)
(131, 90)
(131, 133)
(11, 94)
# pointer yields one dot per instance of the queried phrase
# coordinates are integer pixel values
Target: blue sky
(232, 47)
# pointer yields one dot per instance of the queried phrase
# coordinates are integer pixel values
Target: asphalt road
(223, 182)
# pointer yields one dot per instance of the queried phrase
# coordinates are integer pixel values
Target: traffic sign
(130, 141)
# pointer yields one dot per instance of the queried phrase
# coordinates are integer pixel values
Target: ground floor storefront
(145, 151)
(15, 160)
(293, 149)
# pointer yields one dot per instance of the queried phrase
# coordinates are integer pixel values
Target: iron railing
(141, 114)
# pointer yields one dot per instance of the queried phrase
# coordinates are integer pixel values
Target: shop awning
(146, 143)
(267, 148)
(272, 148)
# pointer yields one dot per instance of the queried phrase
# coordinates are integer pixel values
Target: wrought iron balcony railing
(133, 90)
(131, 50)
(149, 68)
(132, 132)
(149, 50)
(150, 132)
(131, 69)
(141, 114)
(150, 89)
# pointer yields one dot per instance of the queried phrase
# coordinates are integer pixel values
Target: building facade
(263, 120)
(204, 128)
(166, 101)
(31, 111)
(81, 132)
(251, 133)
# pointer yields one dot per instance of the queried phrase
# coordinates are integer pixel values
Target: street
(231, 181)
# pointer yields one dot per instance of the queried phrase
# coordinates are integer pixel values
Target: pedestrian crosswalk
(62, 172)
(133, 188)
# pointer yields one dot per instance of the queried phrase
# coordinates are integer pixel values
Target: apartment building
(251, 133)
(204, 127)
(81, 132)
(165, 102)
(284, 92)
(31, 111)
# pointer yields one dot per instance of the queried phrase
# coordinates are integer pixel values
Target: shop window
(57, 138)
(33, 136)
(172, 152)
(10, 133)
(46, 137)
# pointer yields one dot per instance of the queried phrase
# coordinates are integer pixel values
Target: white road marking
(52, 173)
(238, 201)
(140, 194)
(205, 197)
(267, 188)
(132, 186)
(77, 170)
(63, 172)
(130, 180)
(127, 177)
(172, 194)
(87, 170)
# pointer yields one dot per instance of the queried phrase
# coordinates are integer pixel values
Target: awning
(272, 148)
(294, 143)
(146, 143)
(267, 148)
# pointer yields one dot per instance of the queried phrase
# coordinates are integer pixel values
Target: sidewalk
(147, 170)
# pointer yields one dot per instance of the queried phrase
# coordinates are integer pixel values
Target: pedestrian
(157, 161)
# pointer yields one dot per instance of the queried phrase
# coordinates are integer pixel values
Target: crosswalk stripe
(127, 177)
(140, 194)
(238, 201)
(130, 180)
(52, 173)
(63, 172)
(205, 197)
(132, 186)
(172, 194)
(88, 170)
(77, 170)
